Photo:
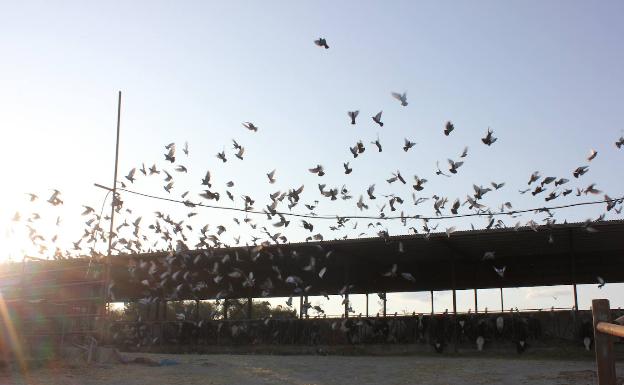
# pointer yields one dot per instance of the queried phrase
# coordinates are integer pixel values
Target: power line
(334, 217)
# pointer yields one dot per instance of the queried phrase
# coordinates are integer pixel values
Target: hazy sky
(546, 76)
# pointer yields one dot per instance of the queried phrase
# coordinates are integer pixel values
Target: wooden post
(502, 303)
(431, 301)
(300, 307)
(346, 305)
(576, 307)
(476, 302)
(366, 304)
(605, 359)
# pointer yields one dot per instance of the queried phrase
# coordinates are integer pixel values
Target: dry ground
(321, 370)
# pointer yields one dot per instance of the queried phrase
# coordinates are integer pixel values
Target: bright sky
(545, 76)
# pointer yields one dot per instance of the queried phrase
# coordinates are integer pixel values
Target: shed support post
(300, 307)
(576, 307)
(455, 329)
(476, 301)
(384, 303)
(502, 302)
(431, 292)
(306, 305)
(366, 304)
(346, 305)
(605, 359)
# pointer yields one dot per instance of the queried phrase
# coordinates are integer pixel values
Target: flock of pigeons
(174, 276)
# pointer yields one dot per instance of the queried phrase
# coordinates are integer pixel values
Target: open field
(321, 370)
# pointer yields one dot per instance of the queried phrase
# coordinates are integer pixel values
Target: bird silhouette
(321, 42)
(353, 115)
(400, 97)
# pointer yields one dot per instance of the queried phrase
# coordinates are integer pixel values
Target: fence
(498, 330)
(48, 304)
(604, 332)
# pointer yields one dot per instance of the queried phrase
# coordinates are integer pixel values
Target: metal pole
(502, 303)
(605, 359)
(476, 302)
(112, 219)
(366, 304)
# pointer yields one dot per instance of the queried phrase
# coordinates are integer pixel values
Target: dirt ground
(318, 370)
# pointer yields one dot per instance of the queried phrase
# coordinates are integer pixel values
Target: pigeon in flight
(353, 115)
(419, 183)
(321, 42)
(130, 175)
(377, 119)
(378, 144)
(448, 128)
(580, 171)
(489, 139)
(271, 176)
(318, 170)
(500, 271)
(400, 97)
(408, 144)
(453, 166)
(250, 126)
(206, 180)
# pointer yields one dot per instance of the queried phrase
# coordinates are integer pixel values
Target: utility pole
(107, 268)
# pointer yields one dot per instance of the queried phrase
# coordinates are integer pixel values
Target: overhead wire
(401, 217)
